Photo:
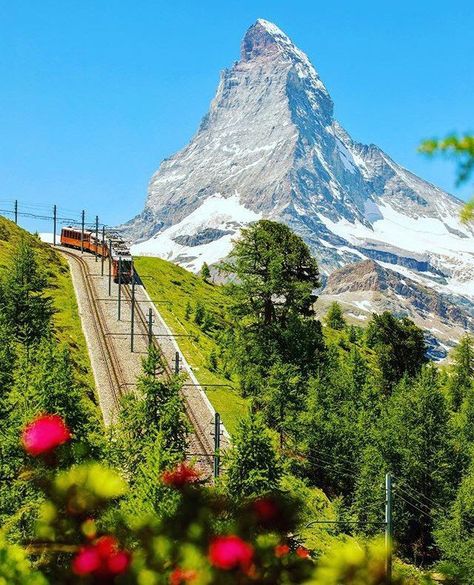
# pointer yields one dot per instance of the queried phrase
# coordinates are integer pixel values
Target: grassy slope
(172, 288)
(67, 322)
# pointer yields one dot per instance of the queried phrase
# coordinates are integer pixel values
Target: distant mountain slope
(270, 147)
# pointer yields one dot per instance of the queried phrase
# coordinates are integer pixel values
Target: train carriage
(120, 258)
(71, 238)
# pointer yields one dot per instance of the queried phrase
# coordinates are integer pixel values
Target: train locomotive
(120, 258)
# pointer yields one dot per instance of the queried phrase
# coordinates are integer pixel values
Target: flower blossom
(44, 434)
(281, 550)
(230, 552)
(180, 476)
(103, 558)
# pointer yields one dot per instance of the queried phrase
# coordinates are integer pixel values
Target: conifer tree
(205, 272)
(334, 317)
(23, 303)
(462, 378)
(399, 345)
(415, 441)
(254, 466)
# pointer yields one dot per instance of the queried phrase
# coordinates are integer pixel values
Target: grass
(174, 289)
(66, 319)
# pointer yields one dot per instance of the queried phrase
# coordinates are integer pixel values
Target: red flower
(86, 561)
(182, 576)
(180, 476)
(230, 552)
(302, 552)
(101, 558)
(281, 550)
(44, 434)
(266, 509)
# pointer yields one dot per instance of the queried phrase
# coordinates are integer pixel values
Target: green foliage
(199, 313)
(23, 303)
(334, 317)
(399, 345)
(462, 377)
(455, 535)
(205, 272)
(254, 468)
(15, 568)
(276, 274)
(156, 412)
(453, 146)
(414, 443)
(188, 311)
(355, 564)
(462, 150)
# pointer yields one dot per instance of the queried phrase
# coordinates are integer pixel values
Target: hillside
(67, 323)
(177, 292)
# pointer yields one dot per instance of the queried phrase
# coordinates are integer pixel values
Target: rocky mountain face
(366, 287)
(270, 147)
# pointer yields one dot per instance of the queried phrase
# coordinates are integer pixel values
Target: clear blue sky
(95, 93)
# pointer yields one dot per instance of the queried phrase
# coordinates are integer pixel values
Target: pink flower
(44, 434)
(182, 576)
(281, 550)
(266, 509)
(86, 561)
(102, 558)
(180, 476)
(230, 552)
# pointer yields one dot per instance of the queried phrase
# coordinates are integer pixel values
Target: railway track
(200, 444)
(109, 356)
(202, 447)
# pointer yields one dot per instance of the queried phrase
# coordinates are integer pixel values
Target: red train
(119, 252)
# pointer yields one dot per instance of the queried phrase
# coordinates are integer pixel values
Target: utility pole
(150, 327)
(217, 444)
(83, 219)
(103, 252)
(16, 210)
(110, 267)
(132, 314)
(176, 363)
(96, 235)
(54, 224)
(388, 527)
(119, 285)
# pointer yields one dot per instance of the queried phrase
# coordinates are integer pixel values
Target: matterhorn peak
(270, 147)
(265, 39)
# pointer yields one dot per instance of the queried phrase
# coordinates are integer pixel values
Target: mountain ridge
(269, 146)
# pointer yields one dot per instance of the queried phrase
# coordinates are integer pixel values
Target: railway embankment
(116, 368)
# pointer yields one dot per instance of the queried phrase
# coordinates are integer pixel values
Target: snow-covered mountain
(270, 147)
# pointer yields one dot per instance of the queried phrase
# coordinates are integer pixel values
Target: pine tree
(205, 272)
(462, 378)
(23, 303)
(399, 345)
(7, 360)
(276, 274)
(334, 317)
(254, 467)
(199, 313)
(415, 441)
(188, 311)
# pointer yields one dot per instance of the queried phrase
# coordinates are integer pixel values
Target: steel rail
(112, 364)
